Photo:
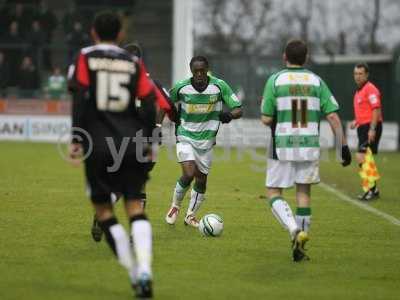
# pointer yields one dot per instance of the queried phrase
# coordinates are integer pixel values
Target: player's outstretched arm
(337, 128)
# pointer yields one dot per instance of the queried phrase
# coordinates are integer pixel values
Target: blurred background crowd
(38, 40)
(242, 39)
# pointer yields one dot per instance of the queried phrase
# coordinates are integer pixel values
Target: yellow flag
(369, 172)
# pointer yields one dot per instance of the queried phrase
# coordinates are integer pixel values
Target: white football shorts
(202, 158)
(285, 174)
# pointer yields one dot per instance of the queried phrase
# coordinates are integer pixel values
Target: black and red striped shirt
(105, 80)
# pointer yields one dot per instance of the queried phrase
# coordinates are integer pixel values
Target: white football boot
(172, 215)
(191, 221)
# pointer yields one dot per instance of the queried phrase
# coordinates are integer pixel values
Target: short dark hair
(107, 25)
(198, 58)
(296, 52)
(363, 65)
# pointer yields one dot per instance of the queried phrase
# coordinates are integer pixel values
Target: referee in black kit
(105, 81)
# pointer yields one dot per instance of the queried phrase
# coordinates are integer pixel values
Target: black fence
(248, 74)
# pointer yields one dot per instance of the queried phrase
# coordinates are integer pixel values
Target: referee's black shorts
(129, 180)
(362, 133)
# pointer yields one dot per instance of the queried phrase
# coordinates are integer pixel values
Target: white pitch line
(360, 204)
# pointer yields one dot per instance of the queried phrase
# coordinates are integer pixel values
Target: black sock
(105, 226)
(138, 217)
(118, 241)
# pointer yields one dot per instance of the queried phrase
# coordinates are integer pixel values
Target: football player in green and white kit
(200, 99)
(293, 101)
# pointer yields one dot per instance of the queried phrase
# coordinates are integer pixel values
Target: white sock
(303, 222)
(122, 246)
(143, 202)
(142, 243)
(281, 210)
(303, 218)
(133, 274)
(196, 199)
(114, 198)
(179, 194)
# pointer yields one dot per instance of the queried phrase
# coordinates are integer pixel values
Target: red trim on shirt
(161, 101)
(144, 85)
(82, 71)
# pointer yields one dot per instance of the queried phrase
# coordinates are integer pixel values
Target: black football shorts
(362, 133)
(129, 180)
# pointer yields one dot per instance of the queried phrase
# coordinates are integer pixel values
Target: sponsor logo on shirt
(299, 77)
(199, 108)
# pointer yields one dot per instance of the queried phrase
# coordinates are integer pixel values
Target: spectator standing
(70, 17)
(5, 19)
(29, 81)
(56, 84)
(36, 39)
(48, 22)
(14, 49)
(76, 40)
(21, 15)
(47, 19)
(4, 73)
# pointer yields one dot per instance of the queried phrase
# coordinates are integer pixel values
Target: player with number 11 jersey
(293, 101)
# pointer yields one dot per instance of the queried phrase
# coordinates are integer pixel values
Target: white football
(211, 225)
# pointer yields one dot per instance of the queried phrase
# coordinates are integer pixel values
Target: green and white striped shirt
(199, 111)
(295, 98)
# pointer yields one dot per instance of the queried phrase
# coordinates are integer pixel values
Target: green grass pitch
(46, 251)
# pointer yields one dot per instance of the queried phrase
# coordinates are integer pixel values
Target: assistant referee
(367, 119)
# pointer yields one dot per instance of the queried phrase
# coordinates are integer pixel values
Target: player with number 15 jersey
(105, 81)
(113, 78)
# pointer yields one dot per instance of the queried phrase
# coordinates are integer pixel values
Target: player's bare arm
(336, 125)
(376, 113)
(237, 113)
(267, 120)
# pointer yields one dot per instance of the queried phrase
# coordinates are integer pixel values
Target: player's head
(296, 52)
(361, 72)
(199, 69)
(107, 27)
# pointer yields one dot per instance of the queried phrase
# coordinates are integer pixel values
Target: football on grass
(211, 225)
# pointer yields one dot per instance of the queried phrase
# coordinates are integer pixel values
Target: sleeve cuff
(332, 111)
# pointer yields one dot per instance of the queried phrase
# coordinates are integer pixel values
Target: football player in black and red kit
(105, 81)
(164, 107)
